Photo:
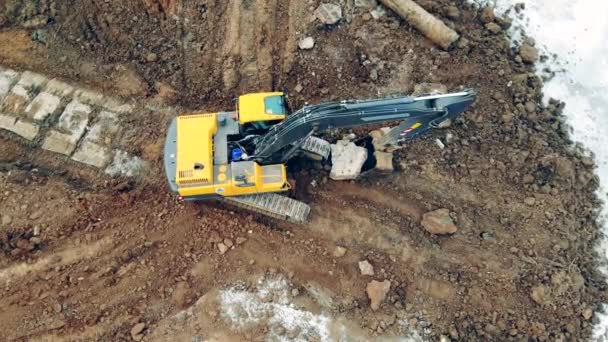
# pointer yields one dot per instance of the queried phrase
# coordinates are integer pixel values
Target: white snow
(573, 34)
(270, 304)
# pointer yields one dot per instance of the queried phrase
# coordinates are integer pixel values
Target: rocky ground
(86, 256)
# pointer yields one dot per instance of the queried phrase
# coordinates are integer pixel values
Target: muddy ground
(86, 257)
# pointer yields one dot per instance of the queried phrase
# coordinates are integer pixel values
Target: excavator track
(316, 147)
(273, 205)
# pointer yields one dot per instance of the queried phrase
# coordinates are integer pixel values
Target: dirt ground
(85, 257)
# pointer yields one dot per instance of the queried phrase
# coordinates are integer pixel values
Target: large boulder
(347, 160)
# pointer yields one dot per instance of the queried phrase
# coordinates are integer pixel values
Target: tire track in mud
(260, 43)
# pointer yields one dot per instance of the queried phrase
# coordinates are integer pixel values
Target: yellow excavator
(240, 156)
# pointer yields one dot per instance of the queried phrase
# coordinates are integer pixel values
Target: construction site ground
(85, 256)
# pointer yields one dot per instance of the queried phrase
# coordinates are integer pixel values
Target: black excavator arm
(418, 115)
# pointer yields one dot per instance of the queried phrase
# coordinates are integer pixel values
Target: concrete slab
(70, 128)
(125, 165)
(43, 105)
(93, 154)
(59, 88)
(347, 160)
(7, 79)
(104, 131)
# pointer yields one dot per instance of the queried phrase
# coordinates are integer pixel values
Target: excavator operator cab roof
(258, 107)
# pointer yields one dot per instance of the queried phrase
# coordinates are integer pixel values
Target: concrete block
(347, 160)
(32, 79)
(70, 128)
(43, 105)
(59, 88)
(25, 129)
(59, 142)
(22, 93)
(105, 129)
(384, 161)
(7, 79)
(125, 165)
(93, 154)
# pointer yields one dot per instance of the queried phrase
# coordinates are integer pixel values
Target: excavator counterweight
(240, 156)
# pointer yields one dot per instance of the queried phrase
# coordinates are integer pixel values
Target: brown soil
(88, 257)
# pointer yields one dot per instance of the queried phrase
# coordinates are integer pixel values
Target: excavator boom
(425, 113)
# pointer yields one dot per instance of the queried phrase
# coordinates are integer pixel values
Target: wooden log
(433, 28)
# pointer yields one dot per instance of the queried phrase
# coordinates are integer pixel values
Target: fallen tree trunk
(433, 28)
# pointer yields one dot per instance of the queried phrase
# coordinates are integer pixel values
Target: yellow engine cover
(195, 149)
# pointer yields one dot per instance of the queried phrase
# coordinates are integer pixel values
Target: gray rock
(528, 53)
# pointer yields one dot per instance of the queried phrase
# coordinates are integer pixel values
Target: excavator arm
(418, 115)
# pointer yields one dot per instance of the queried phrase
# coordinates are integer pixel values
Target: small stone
(487, 15)
(295, 292)
(539, 294)
(298, 88)
(222, 248)
(57, 307)
(439, 222)
(528, 179)
(462, 43)
(228, 243)
(151, 57)
(530, 201)
(6, 220)
(528, 53)
(453, 12)
(587, 314)
(366, 268)
(494, 28)
(306, 43)
(137, 329)
(240, 240)
(339, 252)
(377, 291)
(373, 75)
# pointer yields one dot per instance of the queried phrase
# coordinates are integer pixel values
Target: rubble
(347, 160)
(439, 222)
(376, 292)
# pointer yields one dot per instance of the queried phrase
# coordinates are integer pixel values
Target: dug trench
(91, 257)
